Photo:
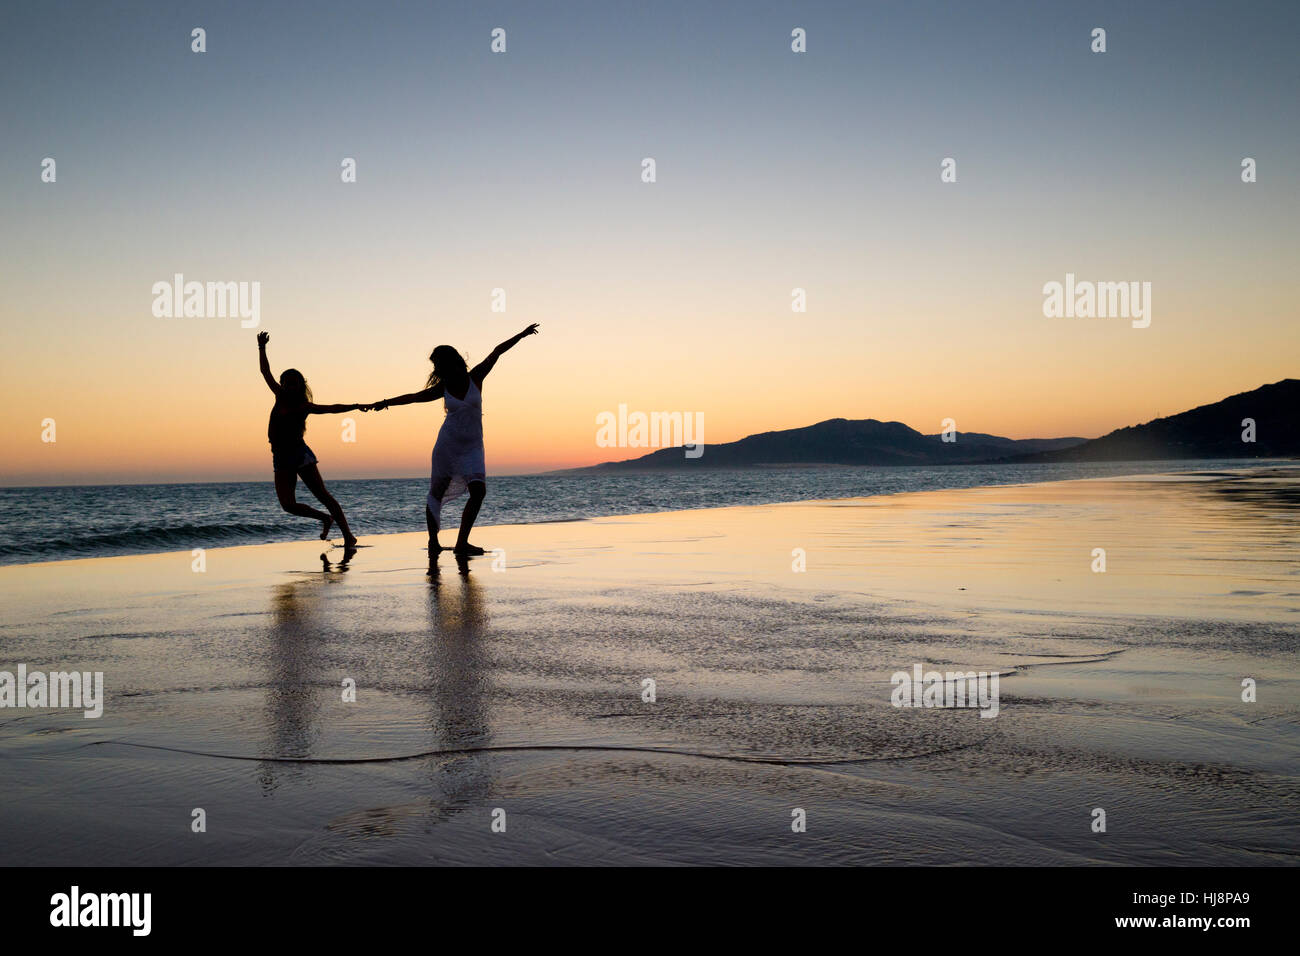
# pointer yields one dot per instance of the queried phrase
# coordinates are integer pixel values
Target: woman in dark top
(290, 456)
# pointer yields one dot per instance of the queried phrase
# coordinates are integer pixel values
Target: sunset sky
(522, 171)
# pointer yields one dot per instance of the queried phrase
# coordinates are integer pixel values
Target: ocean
(58, 523)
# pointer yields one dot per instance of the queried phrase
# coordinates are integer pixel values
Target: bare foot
(434, 546)
(468, 548)
(325, 529)
(350, 542)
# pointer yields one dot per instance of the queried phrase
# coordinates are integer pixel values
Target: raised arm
(425, 395)
(262, 339)
(479, 371)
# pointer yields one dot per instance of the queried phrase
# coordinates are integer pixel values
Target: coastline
(231, 514)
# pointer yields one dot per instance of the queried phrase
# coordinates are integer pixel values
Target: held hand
(262, 339)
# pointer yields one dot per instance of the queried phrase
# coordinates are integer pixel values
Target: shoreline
(594, 470)
(1280, 464)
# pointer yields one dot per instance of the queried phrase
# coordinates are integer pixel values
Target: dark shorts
(292, 458)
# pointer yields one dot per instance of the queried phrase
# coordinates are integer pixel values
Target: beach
(502, 713)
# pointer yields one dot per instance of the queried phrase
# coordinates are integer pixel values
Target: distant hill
(1210, 431)
(839, 441)
(1019, 445)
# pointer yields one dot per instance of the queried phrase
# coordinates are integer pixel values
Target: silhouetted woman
(458, 453)
(290, 456)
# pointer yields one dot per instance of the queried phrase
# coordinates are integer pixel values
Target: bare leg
(431, 523)
(477, 492)
(316, 485)
(436, 491)
(286, 484)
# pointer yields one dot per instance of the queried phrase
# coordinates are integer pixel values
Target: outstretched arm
(262, 339)
(331, 409)
(425, 395)
(479, 371)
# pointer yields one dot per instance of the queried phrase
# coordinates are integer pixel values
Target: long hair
(447, 363)
(293, 387)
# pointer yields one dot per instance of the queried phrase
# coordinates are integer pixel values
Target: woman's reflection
(459, 685)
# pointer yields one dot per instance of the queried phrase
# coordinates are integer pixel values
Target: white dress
(458, 452)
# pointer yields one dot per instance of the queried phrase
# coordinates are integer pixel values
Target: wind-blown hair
(447, 363)
(293, 387)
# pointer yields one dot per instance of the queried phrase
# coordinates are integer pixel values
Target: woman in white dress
(458, 453)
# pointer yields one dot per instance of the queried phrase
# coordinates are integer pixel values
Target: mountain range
(1208, 431)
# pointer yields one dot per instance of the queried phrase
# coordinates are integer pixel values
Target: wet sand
(519, 687)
